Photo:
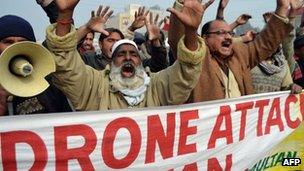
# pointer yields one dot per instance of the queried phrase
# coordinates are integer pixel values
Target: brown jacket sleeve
(266, 43)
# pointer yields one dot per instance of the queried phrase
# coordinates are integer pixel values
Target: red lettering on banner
(191, 167)
(109, 138)
(156, 134)
(302, 105)
(8, 149)
(275, 110)
(63, 154)
(185, 131)
(214, 165)
(217, 133)
(243, 107)
(261, 104)
(292, 124)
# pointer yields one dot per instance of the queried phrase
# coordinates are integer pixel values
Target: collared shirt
(231, 86)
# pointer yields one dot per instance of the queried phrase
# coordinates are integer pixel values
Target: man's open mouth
(226, 44)
(127, 70)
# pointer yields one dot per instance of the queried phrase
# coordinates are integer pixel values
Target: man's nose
(128, 56)
(228, 36)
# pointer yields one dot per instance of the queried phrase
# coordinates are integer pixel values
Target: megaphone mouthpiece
(19, 65)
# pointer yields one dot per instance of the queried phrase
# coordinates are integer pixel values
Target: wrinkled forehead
(219, 25)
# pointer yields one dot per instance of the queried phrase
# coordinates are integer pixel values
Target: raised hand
(191, 14)
(139, 19)
(96, 22)
(153, 28)
(243, 19)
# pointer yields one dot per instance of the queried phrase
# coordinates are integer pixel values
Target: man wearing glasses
(227, 64)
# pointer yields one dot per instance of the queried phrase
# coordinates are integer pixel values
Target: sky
(32, 12)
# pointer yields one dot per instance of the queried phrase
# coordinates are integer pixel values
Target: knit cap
(11, 25)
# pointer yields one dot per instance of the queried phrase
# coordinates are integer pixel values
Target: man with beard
(227, 64)
(125, 84)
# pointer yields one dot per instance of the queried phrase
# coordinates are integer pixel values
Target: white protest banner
(230, 134)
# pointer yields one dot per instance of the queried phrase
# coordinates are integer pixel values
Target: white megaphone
(23, 67)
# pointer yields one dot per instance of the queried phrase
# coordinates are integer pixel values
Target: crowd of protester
(136, 70)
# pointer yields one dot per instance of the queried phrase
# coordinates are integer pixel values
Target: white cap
(123, 41)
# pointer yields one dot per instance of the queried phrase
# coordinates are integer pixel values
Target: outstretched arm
(153, 30)
(176, 28)
(174, 84)
(158, 52)
(271, 36)
(76, 80)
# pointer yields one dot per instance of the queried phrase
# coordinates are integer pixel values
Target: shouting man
(124, 84)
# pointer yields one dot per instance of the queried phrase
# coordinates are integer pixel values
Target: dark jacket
(97, 61)
(52, 100)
